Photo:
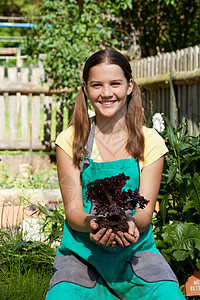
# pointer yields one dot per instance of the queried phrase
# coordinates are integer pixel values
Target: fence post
(13, 106)
(2, 109)
(24, 106)
(173, 105)
(47, 118)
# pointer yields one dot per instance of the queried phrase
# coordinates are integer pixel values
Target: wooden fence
(171, 81)
(30, 118)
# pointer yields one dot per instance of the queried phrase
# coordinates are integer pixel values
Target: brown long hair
(134, 115)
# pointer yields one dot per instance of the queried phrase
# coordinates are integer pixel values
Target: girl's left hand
(125, 239)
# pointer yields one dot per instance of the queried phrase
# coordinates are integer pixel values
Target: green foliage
(181, 179)
(165, 25)
(30, 285)
(23, 265)
(52, 222)
(15, 8)
(69, 31)
(77, 29)
(45, 179)
(177, 223)
(28, 254)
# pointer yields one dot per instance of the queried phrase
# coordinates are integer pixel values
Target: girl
(99, 264)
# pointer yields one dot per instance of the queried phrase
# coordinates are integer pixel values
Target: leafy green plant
(52, 222)
(30, 285)
(27, 254)
(67, 32)
(45, 179)
(23, 265)
(177, 222)
(181, 180)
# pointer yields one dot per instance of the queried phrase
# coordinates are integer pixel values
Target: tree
(15, 8)
(68, 31)
(165, 25)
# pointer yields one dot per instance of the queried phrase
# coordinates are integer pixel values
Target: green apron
(86, 270)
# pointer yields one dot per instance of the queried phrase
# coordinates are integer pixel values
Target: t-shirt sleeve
(65, 140)
(154, 147)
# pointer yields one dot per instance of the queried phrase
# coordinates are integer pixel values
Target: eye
(96, 85)
(116, 83)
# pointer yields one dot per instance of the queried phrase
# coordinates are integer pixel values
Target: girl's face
(107, 89)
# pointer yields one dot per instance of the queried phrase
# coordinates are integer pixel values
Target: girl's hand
(125, 239)
(103, 236)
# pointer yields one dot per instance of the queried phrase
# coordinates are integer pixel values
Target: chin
(107, 115)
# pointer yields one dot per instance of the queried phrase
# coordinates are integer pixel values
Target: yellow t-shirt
(154, 145)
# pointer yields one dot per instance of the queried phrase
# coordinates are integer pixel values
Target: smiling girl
(99, 264)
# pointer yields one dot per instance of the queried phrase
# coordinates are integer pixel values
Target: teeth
(109, 102)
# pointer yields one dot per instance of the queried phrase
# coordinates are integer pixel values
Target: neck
(116, 124)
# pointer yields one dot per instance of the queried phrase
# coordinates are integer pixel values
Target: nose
(107, 91)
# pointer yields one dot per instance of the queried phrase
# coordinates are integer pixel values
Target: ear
(85, 88)
(130, 86)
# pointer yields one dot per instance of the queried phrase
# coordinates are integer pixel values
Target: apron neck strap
(89, 146)
(90, 140)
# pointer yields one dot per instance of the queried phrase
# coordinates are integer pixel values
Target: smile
(107, 102)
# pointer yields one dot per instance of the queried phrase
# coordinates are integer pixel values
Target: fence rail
(30, 117)
(171, 81)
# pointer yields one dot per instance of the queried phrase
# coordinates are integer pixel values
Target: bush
(45, 179)
(26, 254)
(177, 230)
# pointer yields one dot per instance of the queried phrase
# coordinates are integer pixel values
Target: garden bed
(16, 204)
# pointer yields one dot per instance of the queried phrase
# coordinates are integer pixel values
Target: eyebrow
(97, 81)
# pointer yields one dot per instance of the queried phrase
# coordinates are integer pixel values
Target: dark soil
(115, 222)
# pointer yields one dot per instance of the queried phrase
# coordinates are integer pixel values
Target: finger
(118, 241)
(111, 242)
(132, 228)
(97, 236)
(123, 239)
(93, 224)
(114, 244)
(131, 238)
(107, 238)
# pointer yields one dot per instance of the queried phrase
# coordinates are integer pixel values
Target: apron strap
(90, 140)
(89, 145)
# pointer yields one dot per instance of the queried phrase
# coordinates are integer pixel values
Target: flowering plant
(158, 122)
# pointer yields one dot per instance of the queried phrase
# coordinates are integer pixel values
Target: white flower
(31, 230)
(158, 122)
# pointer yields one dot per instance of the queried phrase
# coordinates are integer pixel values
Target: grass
(26, 266)
(30, 285)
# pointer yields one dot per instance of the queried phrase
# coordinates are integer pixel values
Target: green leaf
(180, 255)
(196, 192)
(18, 245)
(43, 209)
(193, 192)
(198, 264)
(172, 173)
(163, 206)
(171, 136)
(189, 160)
(182, 236)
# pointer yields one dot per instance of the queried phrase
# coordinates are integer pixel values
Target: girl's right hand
(102, 236)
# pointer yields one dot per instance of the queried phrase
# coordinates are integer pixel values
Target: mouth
(107, 102)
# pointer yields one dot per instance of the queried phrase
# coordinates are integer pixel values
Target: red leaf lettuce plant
(111, 202)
